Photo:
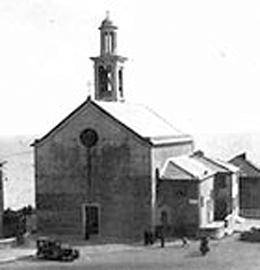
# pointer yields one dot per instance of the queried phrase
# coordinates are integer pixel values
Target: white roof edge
(227, 165)
(199, 177)
(170, 139)
(221, 163)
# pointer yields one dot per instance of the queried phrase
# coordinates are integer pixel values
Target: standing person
(204, 245)
(162, 236)
(145, 237)
(185, 241)
(164, 226)
(21, 229)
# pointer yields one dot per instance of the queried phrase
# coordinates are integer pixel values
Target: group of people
(150, 238)
(204, 244)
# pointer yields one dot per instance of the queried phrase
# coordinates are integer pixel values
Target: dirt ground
(225, 254)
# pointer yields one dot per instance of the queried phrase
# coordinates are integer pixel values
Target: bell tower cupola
(107, 37)
(108, 67)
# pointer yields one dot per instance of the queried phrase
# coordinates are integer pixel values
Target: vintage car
(50, 249)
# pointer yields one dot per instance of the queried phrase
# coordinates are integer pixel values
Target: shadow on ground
(193, 254)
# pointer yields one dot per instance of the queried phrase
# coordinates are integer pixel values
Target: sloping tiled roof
(196, 166)
(215, 164)
(188, 164)
(227, 165)
(137, 118)
(247, 168)
(144, 121)
(209, 163)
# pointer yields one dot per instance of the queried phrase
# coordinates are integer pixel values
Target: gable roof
(227, 165)
(196, 166)
(247, 168)
(139, 119)
(143, 121)
(188, 164)
(217, 165)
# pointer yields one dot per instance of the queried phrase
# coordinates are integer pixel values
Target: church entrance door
(90, 220)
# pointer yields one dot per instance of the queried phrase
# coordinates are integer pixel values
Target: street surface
(226, 254)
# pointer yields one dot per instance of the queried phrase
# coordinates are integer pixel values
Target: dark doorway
(91, 220)
(164, 218)
(220, 209)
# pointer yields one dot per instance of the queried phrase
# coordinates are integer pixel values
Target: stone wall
(1, 201)
(249, 196)
(120, 177)
(179, 198)
(159, 156)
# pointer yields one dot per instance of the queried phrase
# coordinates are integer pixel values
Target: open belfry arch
(108, 66)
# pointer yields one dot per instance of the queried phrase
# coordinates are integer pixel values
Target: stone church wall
(120, 178)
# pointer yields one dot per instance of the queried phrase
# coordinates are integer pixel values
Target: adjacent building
(226, 186)
(1, 197)
(197, 193)
(249, 186)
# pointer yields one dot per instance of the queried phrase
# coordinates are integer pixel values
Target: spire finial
(89, 85)
(107, 15)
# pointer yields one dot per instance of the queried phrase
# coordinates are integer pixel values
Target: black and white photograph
(130, 134)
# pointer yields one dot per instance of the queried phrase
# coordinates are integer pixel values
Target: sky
(197, 63)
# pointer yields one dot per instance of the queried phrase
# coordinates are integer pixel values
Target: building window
(181, 193)
(120, 80)
(202, 201)
(221, 181)
(164, 218)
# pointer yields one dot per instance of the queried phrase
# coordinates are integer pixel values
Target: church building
(97, 171)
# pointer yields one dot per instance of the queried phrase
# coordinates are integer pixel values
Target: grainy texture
(120, 177)
(122, 173)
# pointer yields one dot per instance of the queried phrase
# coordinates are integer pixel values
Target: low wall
(250, 212)
(215, 230)
(7, 242)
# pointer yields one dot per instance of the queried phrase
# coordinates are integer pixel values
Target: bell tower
(108, 67)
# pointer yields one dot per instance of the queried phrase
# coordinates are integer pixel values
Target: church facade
(96, 172)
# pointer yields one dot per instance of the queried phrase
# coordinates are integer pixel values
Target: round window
(88, 137)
